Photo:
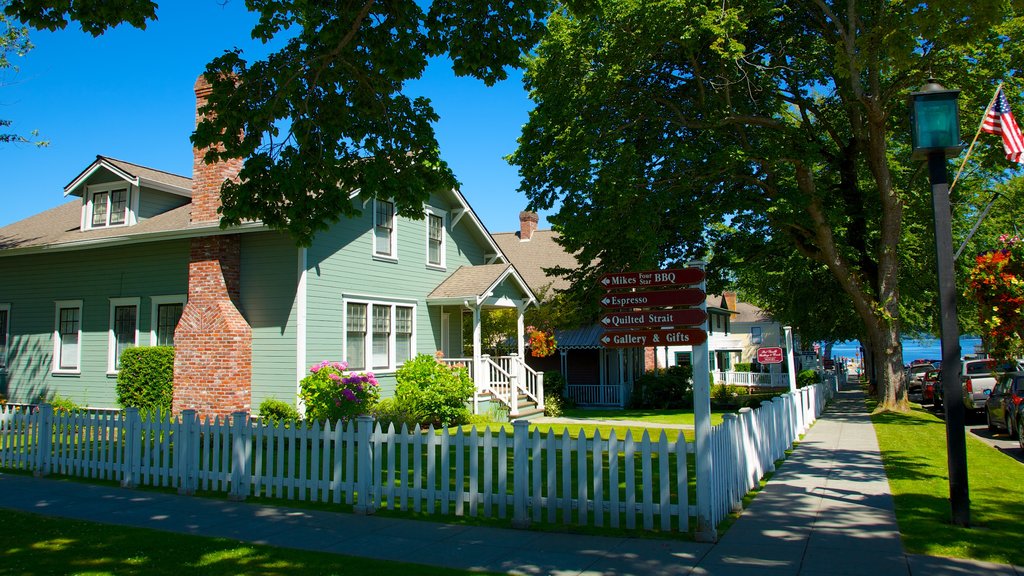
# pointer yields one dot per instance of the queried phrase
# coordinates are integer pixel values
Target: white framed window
(379, 336)
(165, 312)
(67, 337)
(5, 334)
(436, 243)
(123, 332)
(755, 335)
(385, 236)
(107, 205)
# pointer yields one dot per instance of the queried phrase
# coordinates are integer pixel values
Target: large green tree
(325, 116)
(786, 120)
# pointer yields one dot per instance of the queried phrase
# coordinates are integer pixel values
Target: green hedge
(146, 378)
(434, 393)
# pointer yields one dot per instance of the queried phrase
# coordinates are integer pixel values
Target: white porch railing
(748, 379)
(594, 394)
(466, 363)
(508, 377)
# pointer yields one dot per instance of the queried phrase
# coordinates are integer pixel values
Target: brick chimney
(730, 300)
(213, 341)
(527, 224)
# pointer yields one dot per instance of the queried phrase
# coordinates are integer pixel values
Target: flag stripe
(999, 120)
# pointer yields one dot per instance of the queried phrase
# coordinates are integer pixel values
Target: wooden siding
(33, 283)
(340, 262)
(269, 280)
(154, 202)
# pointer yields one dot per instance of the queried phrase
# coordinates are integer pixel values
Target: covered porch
(505, 380)
(594, 375)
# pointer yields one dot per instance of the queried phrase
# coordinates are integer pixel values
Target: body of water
(913, 348)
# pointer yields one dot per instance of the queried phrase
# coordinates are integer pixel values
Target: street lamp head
(934, 121)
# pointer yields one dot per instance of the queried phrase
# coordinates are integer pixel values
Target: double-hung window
(5, 334)
(67, 336)
(384, 236)
(165, 314)
(378, 335)
(124, 330)
(107, 206)
(755, 335)
(435, 238)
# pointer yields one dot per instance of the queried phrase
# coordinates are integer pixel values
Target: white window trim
(442, 266)
(155, 303)
(393, 257)
(7, 338)
(368, 340)
(57, 305)
(112, 338)
(131, 199)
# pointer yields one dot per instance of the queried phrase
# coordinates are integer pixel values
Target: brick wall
(213, 341)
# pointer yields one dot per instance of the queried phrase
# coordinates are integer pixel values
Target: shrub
(146, 378)
(807, 378)
(436, 393)
(389, 411)
(554, 406)
(273, 411)
(669, 388)
(743, 367)
(554, 385)
(331, 394)
(63, 405)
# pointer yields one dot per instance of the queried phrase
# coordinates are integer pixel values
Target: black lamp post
(935, 132)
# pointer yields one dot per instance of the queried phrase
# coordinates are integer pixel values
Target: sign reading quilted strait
(770, 355)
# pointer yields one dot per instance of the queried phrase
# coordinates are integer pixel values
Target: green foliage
(274, 411)
(63, 405)
(331, 394)
(14, 41)
(669, 388)
(743, 367)
(146, 378)
(94, 16)
(435, 393)
(554, 405)
(807, 378)
(390, 411)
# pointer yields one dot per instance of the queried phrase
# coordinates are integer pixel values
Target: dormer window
(107, 206)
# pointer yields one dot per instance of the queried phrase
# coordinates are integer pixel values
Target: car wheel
(988, 420)
(1020, 433)
(1011, 428)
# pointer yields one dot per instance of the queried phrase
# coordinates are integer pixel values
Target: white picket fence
(526, 476)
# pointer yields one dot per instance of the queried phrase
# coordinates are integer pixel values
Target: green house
(137, 258)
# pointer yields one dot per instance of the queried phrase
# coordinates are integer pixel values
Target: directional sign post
(651, 278)
(654, 318)
(681, 297)
(643, 338)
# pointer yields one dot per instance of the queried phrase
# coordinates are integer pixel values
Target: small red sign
(654, 318)
(772, 355)
(681, 297)
(644, 338)
(651, 278)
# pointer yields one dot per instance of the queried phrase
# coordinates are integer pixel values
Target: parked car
(1001, 407)
(915, 379)
(979, 377)
(1020, 424)
(930, 383)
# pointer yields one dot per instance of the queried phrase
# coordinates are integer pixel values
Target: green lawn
(43, 545)
(589, 430)
(684, 416)
(914, 450)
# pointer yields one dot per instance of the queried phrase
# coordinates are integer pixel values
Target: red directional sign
(642, 338)
(771, 355)
(681, 297)
(654, 318)
(651, 278)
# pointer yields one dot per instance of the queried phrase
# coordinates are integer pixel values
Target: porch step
(529, 413)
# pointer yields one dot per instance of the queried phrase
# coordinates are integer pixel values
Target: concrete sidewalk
(827, 510)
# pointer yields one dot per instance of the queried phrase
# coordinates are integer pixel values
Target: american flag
(999, 120)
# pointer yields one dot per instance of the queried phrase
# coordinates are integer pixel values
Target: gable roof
(534, 255)
(476, 283)
(134, 173)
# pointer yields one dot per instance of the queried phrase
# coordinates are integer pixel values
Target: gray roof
(750, 313)
(579, 338)
(531, 257)
(61, 225)
(151, 173)
(469, 281)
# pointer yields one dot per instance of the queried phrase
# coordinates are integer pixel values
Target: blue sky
(128, 95)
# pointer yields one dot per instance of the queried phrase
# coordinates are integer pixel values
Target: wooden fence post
(521, 474)
(185, 443)
(44, 440)
(241, 434)
(132, 447)
(364, 465)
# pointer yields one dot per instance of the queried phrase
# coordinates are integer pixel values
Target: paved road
(1000, 440)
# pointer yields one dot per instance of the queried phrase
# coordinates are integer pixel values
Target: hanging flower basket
(542, 343)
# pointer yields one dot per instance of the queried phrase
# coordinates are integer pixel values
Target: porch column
(480, 373)
(520, 344)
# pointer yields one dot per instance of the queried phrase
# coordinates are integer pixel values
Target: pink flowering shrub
(332, 394)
